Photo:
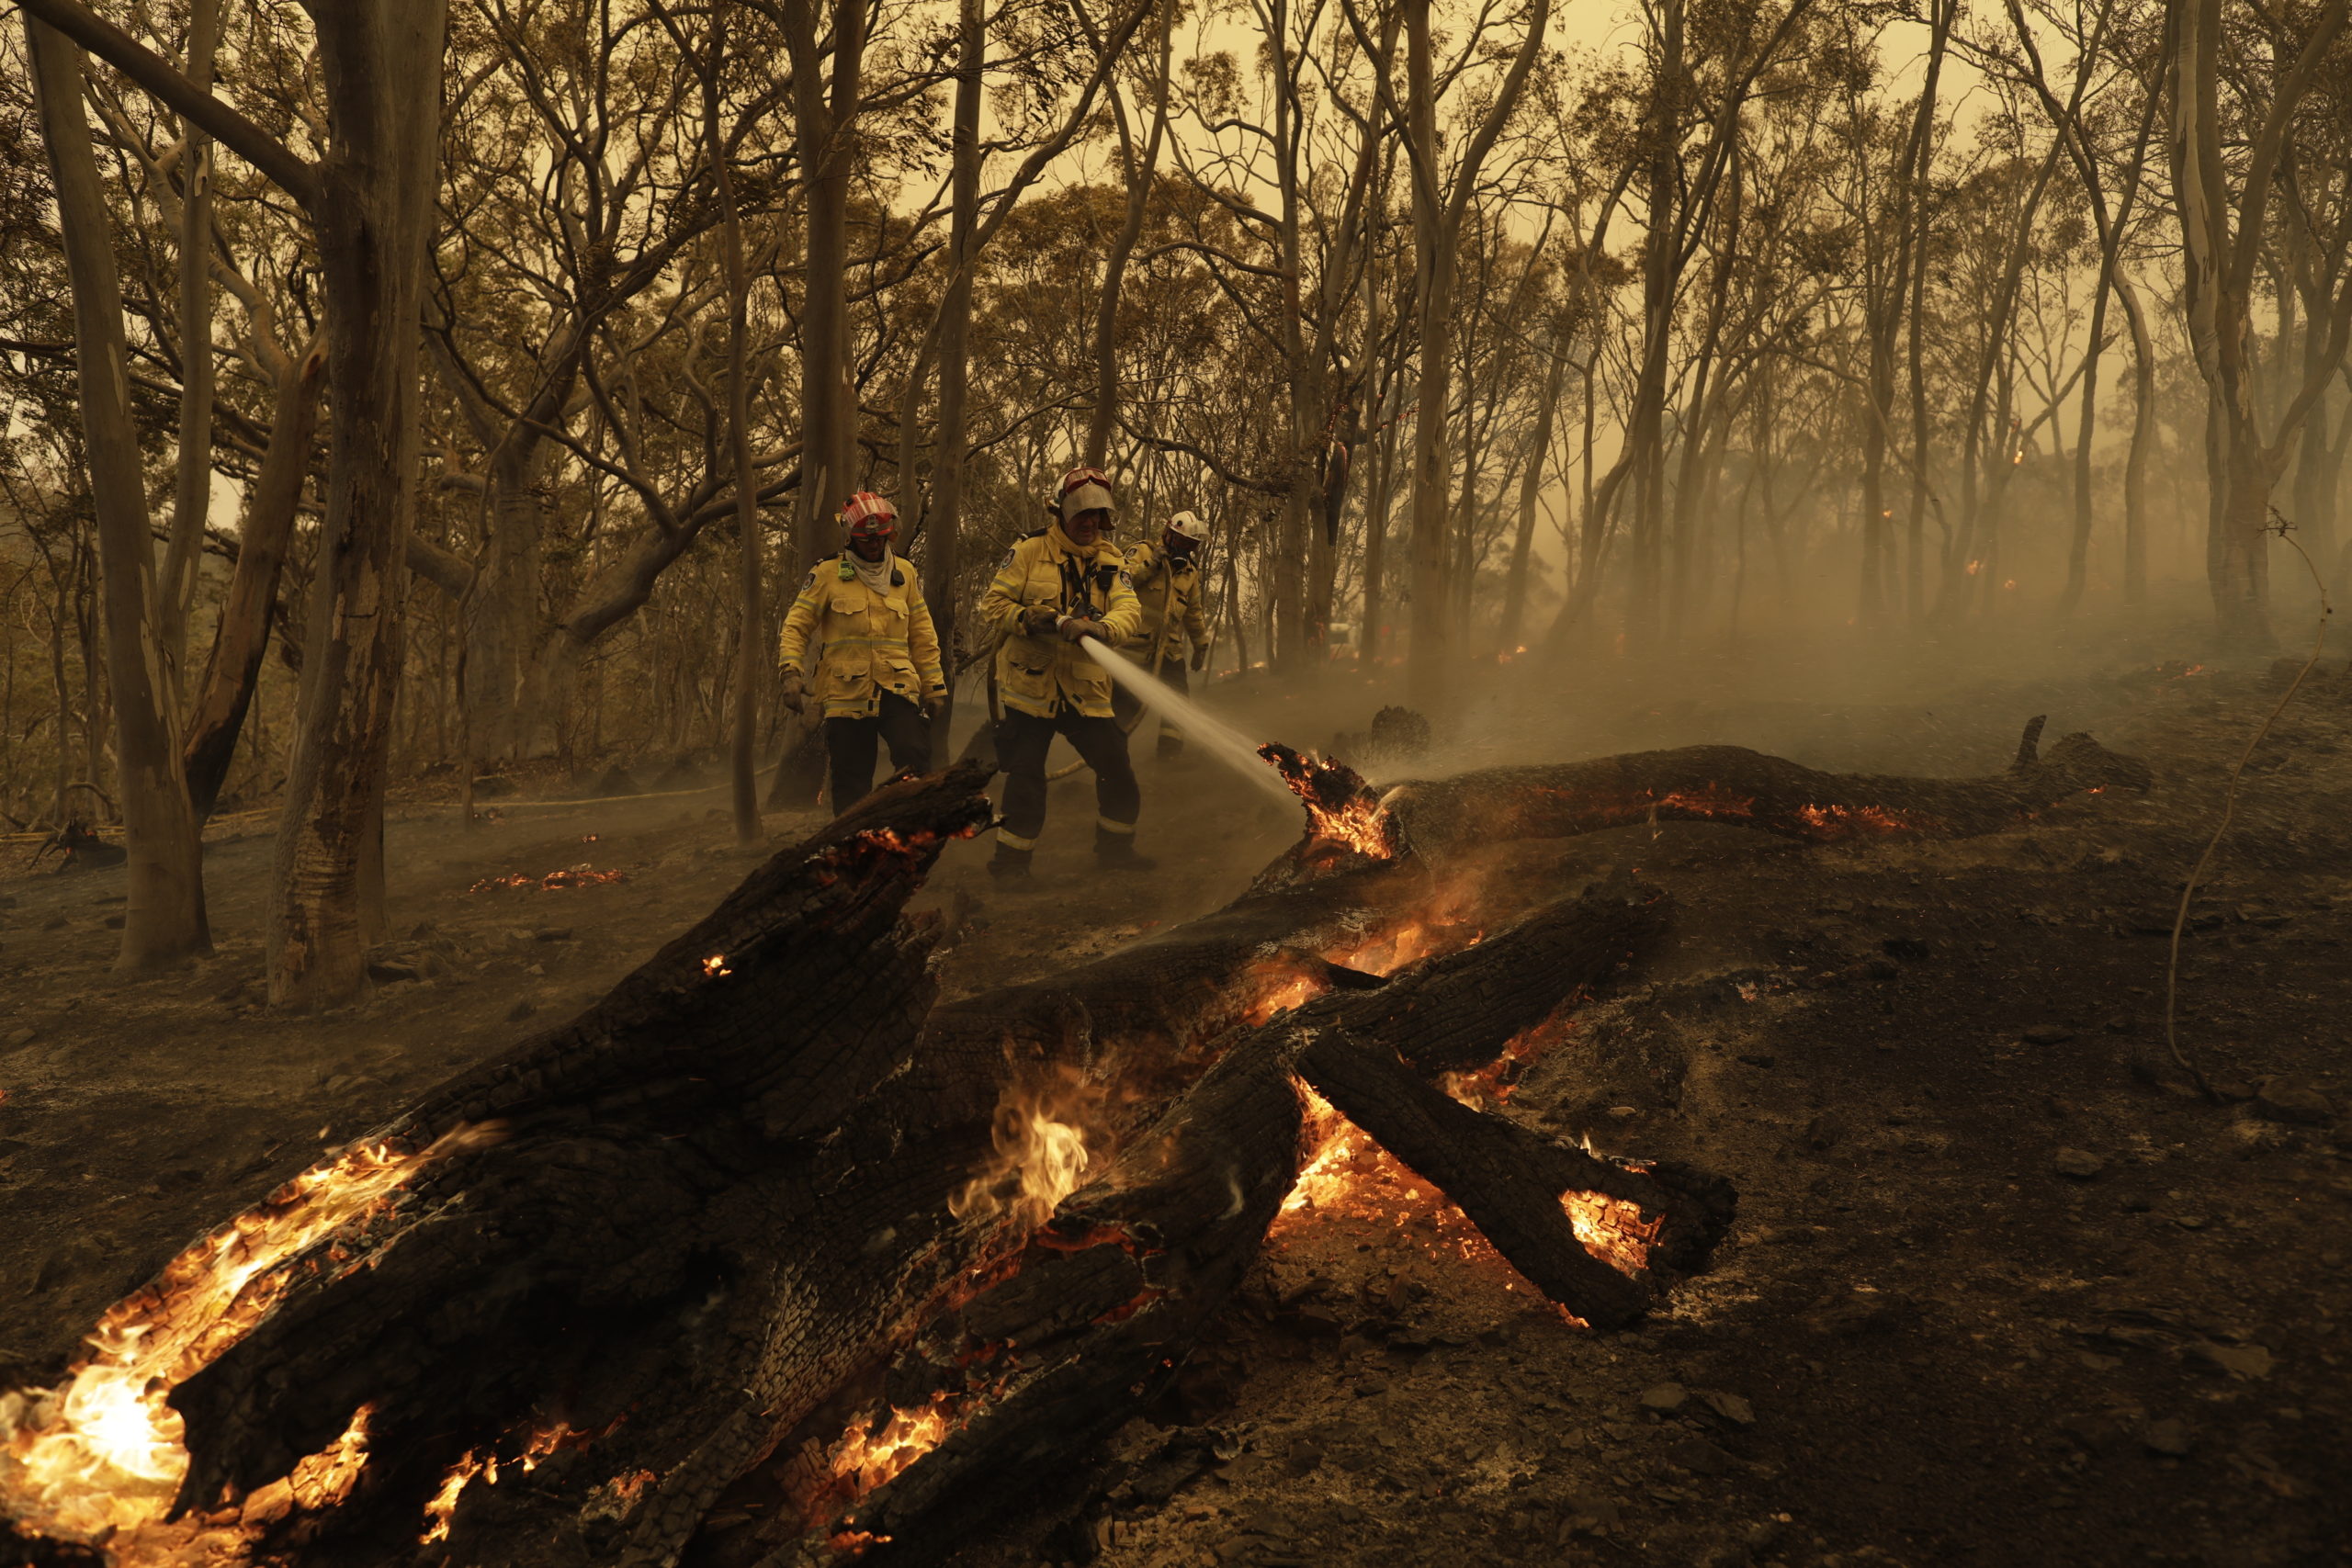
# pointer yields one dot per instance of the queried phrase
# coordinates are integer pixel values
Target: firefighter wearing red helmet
(875, 650)
(1057, 588)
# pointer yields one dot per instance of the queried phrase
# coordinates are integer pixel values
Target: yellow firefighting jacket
(865, 643)
(1047, 674)
(1170, 591)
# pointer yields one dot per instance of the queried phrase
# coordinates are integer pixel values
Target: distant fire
(1342, 808)
(1043, 1142)
(101, 1457)
(581, 876)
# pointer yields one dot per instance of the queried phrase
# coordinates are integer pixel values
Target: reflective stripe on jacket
(862, 643)
(1169, 592)
(1048, 673)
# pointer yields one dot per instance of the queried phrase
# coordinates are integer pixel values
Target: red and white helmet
(869, 516)
(1084, 489)
(1189, 525)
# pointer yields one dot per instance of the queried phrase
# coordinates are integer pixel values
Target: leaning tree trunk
(164, 917)
(240, 636)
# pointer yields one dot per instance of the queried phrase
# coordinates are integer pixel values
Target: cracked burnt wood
(1106, 1300)
(711, 1198)
(622, 1258)
(1742, 788)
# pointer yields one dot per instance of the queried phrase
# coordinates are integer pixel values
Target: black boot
(1010, 865)
(1117, 851)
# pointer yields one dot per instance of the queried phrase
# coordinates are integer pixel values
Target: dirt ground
(2001, 1290)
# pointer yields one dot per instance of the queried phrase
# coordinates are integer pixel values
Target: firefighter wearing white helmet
(1166, 576)
(1058, 587)
(877, 652)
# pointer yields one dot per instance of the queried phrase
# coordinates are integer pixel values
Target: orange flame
(878, 1451)
(103, 1454)
(1043, 1142)
(1340, 807)
(483, 1462)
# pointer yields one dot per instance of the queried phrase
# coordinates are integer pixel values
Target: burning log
(1105, 1301)
(1748, 789)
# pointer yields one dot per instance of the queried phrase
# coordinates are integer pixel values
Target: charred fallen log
(555, 1311)
(1748, 789)
(1110, 1294)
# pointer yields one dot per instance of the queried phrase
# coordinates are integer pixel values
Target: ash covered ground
(2002, 1288)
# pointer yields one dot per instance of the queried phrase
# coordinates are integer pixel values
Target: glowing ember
(875, 1453)
(1041, 1149)
(1859, 821)
(1612, 1230)
(103, 1452)
(1340, 807)
(714, 965)
(581, 876)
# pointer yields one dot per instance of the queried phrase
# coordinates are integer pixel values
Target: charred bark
(1748, 789)
(1105, 1301)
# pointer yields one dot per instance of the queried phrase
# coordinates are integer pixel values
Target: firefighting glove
(934, 704)
(1199, 656)
(1076, 629)
(1037, 619)
(790, 693)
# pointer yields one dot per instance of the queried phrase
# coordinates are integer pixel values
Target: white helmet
(1189, 525)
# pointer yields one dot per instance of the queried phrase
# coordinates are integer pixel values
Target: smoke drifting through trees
(1467, 337)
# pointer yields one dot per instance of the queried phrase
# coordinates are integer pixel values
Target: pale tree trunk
(1437, 229)
(193, 489)
(749, 643)
(943, 519)
(1139, 171)
(381, 64)
(2220, 250)
(825, 118)
(1530, 486)
(164, 917)
(2143, 435)
(1921, 214)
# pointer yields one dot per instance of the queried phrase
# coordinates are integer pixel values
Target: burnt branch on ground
(1748, 789)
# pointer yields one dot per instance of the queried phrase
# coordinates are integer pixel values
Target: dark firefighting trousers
(851, 743)
(1022, 740)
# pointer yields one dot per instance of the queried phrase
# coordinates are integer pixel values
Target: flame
(483, 1462)
(581, 876)
(1340, 807)
(103, 1454)
(1042, 1149)
(715, 966)
(877, 1451)
(104, 1450)
(1975, 567)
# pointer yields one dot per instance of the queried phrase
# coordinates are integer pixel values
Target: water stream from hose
(1201, 729)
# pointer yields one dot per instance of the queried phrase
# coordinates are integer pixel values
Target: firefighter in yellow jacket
(1168, 584)
(1056, 588)
(876, 653)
